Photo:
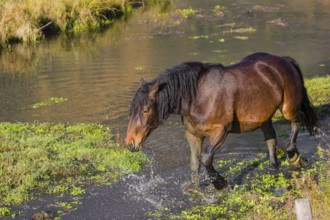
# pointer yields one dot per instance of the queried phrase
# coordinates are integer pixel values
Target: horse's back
(288, 72)
(247, 93)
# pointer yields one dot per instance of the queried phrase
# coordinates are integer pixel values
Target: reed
(31, 20)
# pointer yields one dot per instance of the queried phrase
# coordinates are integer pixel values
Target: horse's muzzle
(135, 148)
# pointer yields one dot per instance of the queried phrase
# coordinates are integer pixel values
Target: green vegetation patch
(318, 89)
(50, 101)
(261, 193)
(31, 20)
(186, 13)
(58, 158)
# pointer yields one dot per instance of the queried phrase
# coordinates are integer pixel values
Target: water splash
(144, 188)
(152, 188)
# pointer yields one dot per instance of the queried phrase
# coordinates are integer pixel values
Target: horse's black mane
(178, 87)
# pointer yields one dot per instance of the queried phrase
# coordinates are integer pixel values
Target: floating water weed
(185, 13)
(50, 101)
(199, 37)
(242, 30)
(241, 37)
(218, 8)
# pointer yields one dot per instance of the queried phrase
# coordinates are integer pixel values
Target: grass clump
(58, 158)
(31, 20)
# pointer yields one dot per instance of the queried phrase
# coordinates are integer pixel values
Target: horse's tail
(310, 120)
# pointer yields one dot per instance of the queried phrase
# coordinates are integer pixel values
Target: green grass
(58, 159)
(28, 21)
(318, 89)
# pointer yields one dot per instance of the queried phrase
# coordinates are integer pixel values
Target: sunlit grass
(59, 159)
(29, 20)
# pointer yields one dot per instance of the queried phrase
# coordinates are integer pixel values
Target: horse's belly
(241, 127)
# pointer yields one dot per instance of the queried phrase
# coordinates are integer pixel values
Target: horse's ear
(142, 81)
(153, 90)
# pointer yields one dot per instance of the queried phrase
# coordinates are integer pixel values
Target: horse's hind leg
(195, 143)
(292, 152)
(270, 138)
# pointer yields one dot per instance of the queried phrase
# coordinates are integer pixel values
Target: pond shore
(30, 21)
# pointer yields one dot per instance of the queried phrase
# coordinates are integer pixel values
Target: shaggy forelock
(140, 98)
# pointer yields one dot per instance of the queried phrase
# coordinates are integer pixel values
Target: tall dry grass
(31, 20)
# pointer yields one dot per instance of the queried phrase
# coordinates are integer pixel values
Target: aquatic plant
(58, 159)
(185, 13)
(218, 8)
(199, 37)
(50, 101)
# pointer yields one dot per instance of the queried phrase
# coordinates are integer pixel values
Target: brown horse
(214, 100)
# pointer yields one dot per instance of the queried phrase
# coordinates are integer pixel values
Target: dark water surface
(99, 73)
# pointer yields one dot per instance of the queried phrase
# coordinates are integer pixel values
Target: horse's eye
(145, 110)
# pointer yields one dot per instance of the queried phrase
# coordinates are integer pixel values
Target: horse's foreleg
(270, 138)
(207, 159)
(195, 143)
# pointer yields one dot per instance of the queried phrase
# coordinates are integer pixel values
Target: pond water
(98, 73)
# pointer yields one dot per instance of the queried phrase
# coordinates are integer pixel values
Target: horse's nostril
(132, 147)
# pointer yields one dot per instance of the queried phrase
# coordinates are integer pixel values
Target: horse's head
(143, 115)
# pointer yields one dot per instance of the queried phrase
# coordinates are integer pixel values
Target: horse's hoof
(274, 166)
(298, 160)
(193, 190)
(220, 184)
(294, 160)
